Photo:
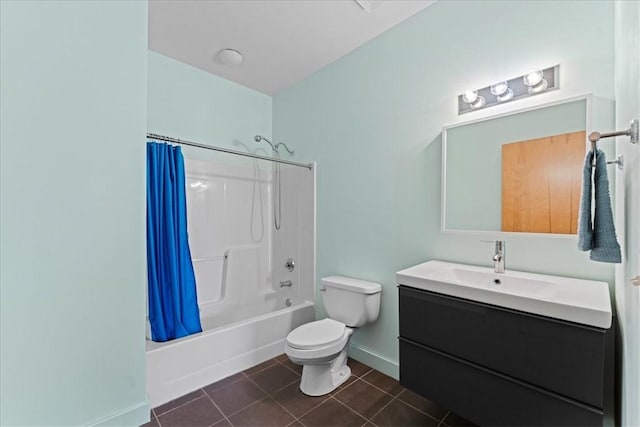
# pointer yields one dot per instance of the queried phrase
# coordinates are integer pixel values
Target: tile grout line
(248, 406)
(263, 369)
(397, 397)
(267, 395)
(305, 413)
(180, 406)
(275, 391)
(443, 418)
(345, 387)
(314, 407)
(295, 372)
(343, 404)
(276, 400)
(376, 387)
(244, 377)
(361, 376)
(194, 399)
(286, 410)
(381, 409)
(217, 407)
(156, 417)
(420, 410)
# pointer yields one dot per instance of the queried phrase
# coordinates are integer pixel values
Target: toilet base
(318, 380)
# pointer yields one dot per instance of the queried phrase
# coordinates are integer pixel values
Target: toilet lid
(319, 333)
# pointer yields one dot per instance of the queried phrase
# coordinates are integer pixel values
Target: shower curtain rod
(225, 150)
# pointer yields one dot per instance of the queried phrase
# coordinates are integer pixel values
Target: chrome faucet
(498, 257)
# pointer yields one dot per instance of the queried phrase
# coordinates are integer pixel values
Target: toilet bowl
(321, 346)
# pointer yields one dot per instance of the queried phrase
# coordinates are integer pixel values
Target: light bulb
(541, 86)
(499, 88)
(532, 78)
(470, 96)
(505, 96)
(478, 103)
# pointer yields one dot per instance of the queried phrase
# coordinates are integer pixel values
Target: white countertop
(575, 300)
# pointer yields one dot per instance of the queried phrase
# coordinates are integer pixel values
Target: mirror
(517, 172)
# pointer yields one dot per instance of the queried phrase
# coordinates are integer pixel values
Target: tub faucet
(285, 284)
(498, 257)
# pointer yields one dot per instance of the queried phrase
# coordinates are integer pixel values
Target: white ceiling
(283, 41)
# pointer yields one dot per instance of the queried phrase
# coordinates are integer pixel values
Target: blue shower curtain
(173, 303)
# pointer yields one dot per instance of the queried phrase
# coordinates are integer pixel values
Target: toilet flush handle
(323, 289)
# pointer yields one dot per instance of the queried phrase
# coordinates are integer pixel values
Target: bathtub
(178, 367)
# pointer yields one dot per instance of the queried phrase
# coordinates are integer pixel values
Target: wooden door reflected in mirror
(541, 184)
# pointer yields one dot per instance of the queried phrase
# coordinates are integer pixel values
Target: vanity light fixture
(532, 83)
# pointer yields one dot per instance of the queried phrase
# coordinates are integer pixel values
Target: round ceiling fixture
(230, 57)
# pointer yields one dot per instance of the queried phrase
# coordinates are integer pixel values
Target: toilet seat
(320, 333)
(320, 347)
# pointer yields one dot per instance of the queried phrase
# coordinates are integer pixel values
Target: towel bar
(632, 133)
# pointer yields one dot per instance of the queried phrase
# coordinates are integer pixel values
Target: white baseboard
(133, 416)
(376, 361)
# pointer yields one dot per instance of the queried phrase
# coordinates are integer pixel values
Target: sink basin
(575, 300)
(507, 283)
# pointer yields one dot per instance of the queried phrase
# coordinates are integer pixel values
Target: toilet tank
(353, 302)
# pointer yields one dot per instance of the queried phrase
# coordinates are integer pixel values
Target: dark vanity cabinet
(501, 367)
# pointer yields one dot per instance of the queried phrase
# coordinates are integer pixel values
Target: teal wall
(72, 255)
(372, 120)
(188, 103)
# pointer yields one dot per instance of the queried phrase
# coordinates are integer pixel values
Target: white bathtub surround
(239, 260)
(229, 217)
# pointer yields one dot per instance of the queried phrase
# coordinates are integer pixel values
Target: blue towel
(601, 238)
(585, 226)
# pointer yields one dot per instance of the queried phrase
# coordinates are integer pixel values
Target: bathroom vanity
(509, 349)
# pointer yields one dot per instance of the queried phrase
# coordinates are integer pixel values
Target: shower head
(259, 138)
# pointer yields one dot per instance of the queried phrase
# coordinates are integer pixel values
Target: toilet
(321, 346)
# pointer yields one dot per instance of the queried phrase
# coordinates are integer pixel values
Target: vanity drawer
(555, 355)
(485, 397)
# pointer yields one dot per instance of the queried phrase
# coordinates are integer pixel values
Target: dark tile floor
(269, 395)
